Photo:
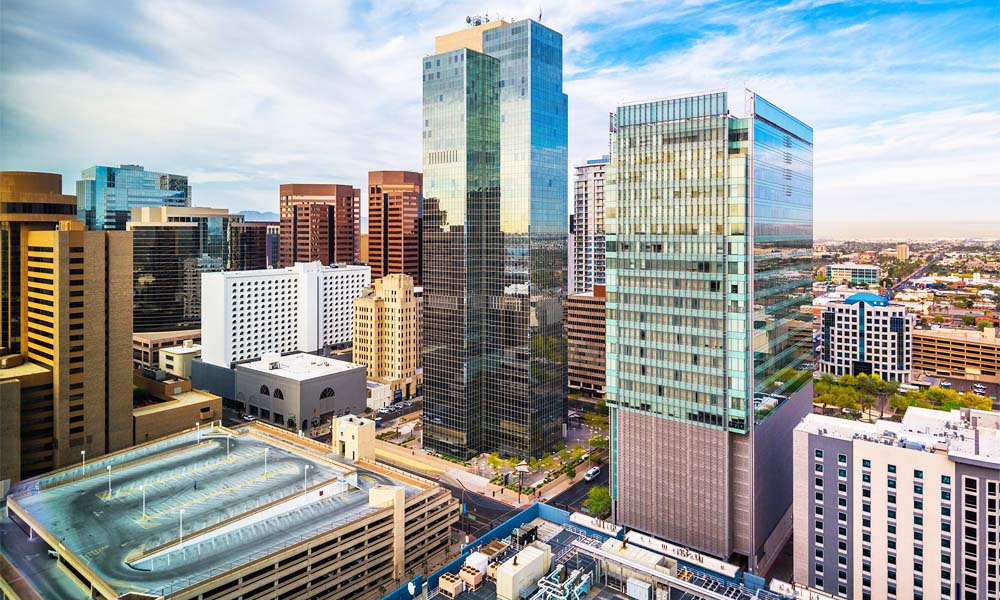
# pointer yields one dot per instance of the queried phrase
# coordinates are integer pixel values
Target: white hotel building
(303, 308)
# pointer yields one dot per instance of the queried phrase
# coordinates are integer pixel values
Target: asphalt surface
(916, 274)
(572, 499)
(965, 385)
(482, 513)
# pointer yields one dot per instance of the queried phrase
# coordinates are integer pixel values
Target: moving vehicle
(592, 474)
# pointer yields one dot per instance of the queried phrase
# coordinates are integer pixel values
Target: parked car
(946, 384)
(249, 418)
(592, 474)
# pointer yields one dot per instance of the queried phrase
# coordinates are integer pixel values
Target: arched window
(265, 391)
(326, 393)
(278, 394)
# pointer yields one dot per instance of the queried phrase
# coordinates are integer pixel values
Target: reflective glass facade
(522, 406)
(709, 234)
(169, 256)
(105, 196)
(461, 242)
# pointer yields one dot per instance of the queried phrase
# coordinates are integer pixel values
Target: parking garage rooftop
(162, 517)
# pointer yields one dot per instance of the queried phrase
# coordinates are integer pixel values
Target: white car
(249, 418)
(592, 474)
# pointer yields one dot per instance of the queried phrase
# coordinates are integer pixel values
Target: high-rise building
(321, 222)
(899, 510)
(305, 308)
(395, 200)
(363, 252)
(903, 251)
(495, 217)
(28, 201)
(106, 195)
(585, 316)
(250, 244)
(72, 381)
(866, 334)
(587, 225)
(385, 333)
(852, 274)
(173, 246)
(709, 260)
(273, 244)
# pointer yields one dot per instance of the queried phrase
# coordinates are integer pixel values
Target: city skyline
(892, 111)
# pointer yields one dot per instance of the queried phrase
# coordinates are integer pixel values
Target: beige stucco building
(385, 333)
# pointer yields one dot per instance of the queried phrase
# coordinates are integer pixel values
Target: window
(819, 454)
(278, 394)
(326, 393)
(866, 463)
(918, 474)
(946, 480)
(264, 390)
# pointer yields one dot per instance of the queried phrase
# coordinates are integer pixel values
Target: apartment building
(867, 334)
(385, 333)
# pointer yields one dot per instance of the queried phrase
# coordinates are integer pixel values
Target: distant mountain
(256, 215)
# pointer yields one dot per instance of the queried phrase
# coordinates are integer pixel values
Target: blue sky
(244, 95)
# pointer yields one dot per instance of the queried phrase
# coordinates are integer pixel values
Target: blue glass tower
(105, 196)
(709, 237)
(521, 358)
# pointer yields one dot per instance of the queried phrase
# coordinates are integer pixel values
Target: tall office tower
(495, 353)
(899, 510)
(709, 248)
(395, 200)
(249, 244)
(585, 317)
(319, 221)
(73, 378)
(866, 334)
(105, 196)
(385, 333)
(273, 239)
(173, 246)
(587, 225)
(903, 251)
(28, 201)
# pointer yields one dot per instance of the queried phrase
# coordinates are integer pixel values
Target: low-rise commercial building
(146, 346)
(585, 331)
(177, 360)
(966, 354)
(171, 407)
(300, 389)
(867, 334)
(304, 308)
(853, 274)
(899, 510)
(217, 513)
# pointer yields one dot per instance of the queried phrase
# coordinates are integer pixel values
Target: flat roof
(156, 336)
(23, 370)
(235, 509)
(301, 366)
(187, 398)
(963, 335)
(183, 349)
(313, 267)
(851, 266)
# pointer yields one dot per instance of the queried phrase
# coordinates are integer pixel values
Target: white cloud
(317, 91)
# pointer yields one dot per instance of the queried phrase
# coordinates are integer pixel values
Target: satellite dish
(411, 588)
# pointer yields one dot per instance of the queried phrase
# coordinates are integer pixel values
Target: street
(572, 499)
(482, 513)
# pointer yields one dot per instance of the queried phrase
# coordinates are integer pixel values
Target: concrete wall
(218, 380)
(302, 398)
(174, 416)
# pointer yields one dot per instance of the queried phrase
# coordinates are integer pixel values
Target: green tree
(968, 320)
(571, 472)
(564, 455)
(598, 441)
(598, 501)
(534, 463)
(549, 462)
(982, 325)
(495, 461)
(938, 319)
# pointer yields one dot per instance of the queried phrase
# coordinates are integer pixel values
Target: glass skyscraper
(105, 196)
(709, 237)
(500, 385)
(172, 247)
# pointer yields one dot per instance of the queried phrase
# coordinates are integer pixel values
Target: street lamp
(197, 428)
(83, 457)
(305, 475)
(143, 488)
(265, 460)
(181, 530)
(228, 437)
(109, 481)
